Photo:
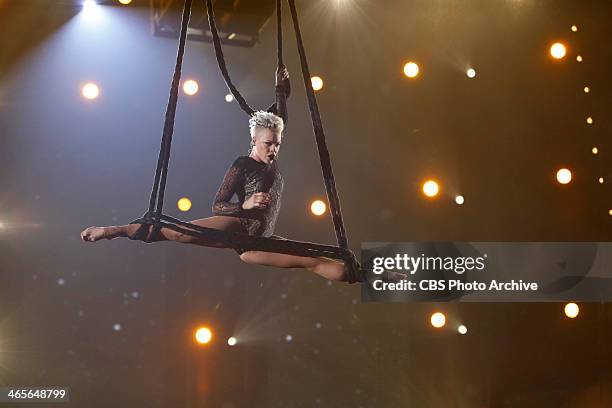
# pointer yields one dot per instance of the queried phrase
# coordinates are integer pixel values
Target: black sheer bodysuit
(247, 176)
(244, 178)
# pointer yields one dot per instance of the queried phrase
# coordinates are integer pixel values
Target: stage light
(471, 73)
(203, 335)
(90, 91)
(190, 87)
(587, 89)
(462, 329)
(601, 180)
(579, 58)
(89, 5)
(125, 2)
(340, 3)
(438, 320)
(231, 341)
(411, 70)
(91, 11)
(571, 310)
(564, 176)
(431, 188)
(595, 150)
(317, 83)
(589, 120)
(574, 28)
(318, 207)
(557, 50)
(229, 98)
(459, 200)
(184, 204)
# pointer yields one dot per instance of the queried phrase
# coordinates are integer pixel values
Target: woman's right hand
(257, 201)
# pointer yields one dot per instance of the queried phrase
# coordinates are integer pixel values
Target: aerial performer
(257, 182)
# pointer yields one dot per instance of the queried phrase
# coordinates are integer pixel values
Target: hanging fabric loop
(221, 61)
(317, 125)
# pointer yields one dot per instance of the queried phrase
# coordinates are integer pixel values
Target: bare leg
(328, 268)
(331, 269)
(230, 224)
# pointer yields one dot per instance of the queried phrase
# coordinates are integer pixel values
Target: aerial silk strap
(156, 202)
(328, 174)
(221, 61)
(221, 58)
(279, 33)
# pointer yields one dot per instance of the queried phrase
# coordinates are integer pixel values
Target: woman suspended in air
(258, 184)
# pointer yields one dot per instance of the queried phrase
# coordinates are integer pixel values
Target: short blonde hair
(267, 120)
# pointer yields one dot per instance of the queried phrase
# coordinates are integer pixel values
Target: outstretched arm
(283, 90)
(232, 182)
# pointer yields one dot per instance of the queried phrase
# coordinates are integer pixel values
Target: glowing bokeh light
(438, 320)
(125, 2)
(318, 207)
(229, 98)
(579, 58)
(459, 200)
(90, 91)
(601, 180)
(190, 87)
(610, 211)
(557, 50)
(203, 335)
(471, 73)
(462, 329)
(594, 150)
(564, 176)
(574, 28)
(231, 341)
(589, 120)
(431, 188)
(317, 83)
(587, 89)
(288, 337)
(411, 70)
(571, 310)
(184, 204)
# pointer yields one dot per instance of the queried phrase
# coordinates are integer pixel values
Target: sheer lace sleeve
(232, 183)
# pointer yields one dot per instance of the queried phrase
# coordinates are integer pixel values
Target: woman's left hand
(281, 75)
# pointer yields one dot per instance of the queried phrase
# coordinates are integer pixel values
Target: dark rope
(221, 60)
(156, 201)
(328, 175)
(279, 33)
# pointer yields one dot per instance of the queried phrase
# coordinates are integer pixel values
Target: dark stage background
(114, 321)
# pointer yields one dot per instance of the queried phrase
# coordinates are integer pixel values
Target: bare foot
(93, 234)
